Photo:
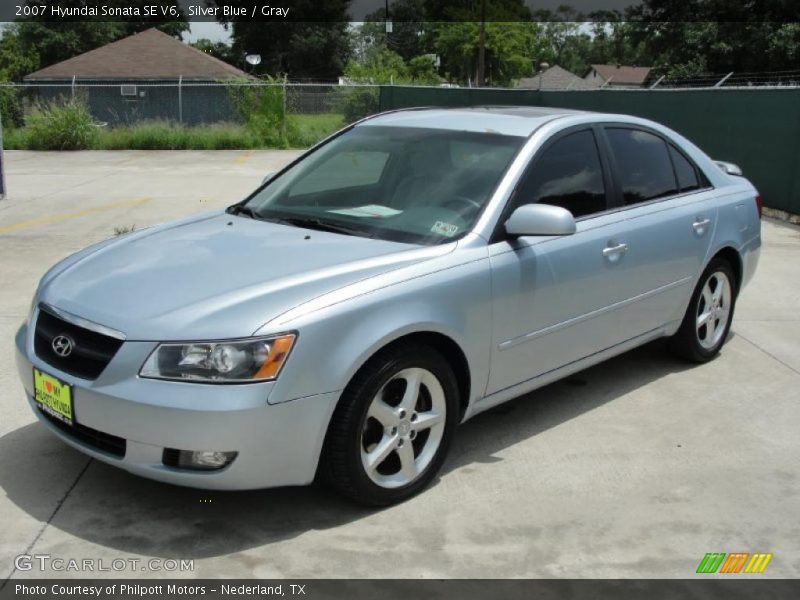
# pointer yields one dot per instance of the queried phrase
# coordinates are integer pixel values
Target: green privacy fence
(758, 129)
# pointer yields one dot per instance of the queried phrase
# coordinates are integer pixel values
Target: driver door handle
(613, 251)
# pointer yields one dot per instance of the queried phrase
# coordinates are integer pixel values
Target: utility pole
(480, 78)
(388, 23)
(2, 163)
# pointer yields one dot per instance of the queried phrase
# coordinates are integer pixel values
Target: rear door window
(643, 165)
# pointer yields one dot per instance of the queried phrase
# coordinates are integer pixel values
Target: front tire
(393, 426)
(708, 318)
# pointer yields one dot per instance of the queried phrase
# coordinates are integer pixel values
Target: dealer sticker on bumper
(53, 396)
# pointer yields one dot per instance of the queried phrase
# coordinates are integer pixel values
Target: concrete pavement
(633, 468)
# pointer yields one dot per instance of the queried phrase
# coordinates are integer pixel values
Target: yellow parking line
(243, 158)
(73, 215)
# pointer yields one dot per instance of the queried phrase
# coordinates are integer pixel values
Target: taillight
(758, 205)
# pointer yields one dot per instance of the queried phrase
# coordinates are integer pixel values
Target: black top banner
(161, 11)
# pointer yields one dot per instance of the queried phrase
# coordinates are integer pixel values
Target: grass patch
(304, 131)
(309, 129)
(124, 229)
(162, 135)
(15, 139)
(60, 126)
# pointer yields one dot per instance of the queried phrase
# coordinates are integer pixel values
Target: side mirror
(540, 219)
(268, 176)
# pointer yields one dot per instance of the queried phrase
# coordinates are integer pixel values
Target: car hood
(214, 276)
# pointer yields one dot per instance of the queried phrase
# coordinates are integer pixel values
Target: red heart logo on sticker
(49, 387)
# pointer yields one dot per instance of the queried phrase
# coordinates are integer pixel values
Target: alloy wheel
(403, 428)
(713, 310)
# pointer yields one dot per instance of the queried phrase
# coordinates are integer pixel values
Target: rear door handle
(700, 225)
(613, 252)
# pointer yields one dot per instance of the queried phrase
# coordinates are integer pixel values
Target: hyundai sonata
(402, 276)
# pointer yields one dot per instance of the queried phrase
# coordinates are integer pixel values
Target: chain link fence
(128, 102)
(729, 80)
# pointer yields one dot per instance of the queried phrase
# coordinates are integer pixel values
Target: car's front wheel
(391, 430)
(708, 318)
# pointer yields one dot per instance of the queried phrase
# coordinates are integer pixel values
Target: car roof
(505, 120)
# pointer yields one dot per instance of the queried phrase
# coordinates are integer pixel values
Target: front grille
(105, 442)
(91, 351)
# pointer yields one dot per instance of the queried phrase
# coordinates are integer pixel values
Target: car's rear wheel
(708, 318)
(393, 426)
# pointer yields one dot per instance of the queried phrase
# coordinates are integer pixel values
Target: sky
(212, 31)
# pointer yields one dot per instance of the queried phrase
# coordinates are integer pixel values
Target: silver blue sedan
(404, 275)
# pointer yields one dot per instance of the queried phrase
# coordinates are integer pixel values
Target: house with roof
(555, 78)
(617, 76)
(148, 75)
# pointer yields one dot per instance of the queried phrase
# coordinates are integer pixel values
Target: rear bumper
(277, 445)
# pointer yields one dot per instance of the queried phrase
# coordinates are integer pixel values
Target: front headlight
(253, 359)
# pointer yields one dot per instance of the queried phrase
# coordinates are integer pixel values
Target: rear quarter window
(684, 171)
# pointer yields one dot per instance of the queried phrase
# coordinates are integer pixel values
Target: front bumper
(277, 444)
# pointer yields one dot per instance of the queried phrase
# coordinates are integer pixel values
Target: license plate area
(53, 396)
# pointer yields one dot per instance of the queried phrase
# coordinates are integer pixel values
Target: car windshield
(415, 185)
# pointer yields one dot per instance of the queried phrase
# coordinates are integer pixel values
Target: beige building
(617, 76)
(555, 78)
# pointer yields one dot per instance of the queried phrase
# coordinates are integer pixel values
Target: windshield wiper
(304, 222)
(320, 225)
(241, 209)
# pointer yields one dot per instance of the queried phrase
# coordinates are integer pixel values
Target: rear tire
(708, 318)
(393, 426)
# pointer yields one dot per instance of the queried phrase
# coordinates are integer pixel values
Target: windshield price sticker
(445, 229)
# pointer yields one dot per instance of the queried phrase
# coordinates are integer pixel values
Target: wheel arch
(450, 350)
(732, 256)
(332, 466)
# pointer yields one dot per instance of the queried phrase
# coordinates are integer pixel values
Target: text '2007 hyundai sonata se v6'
(413, 270)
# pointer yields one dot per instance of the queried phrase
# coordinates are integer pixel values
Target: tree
(47, 43)
(219, 50)
(408, 29)
(315, 45)
(572, 47)
(608, 39)
(383, 66)
(422, 70)
(511, 48)
(380, 67)
(560, 46)
(15, 63)
(695, 37)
